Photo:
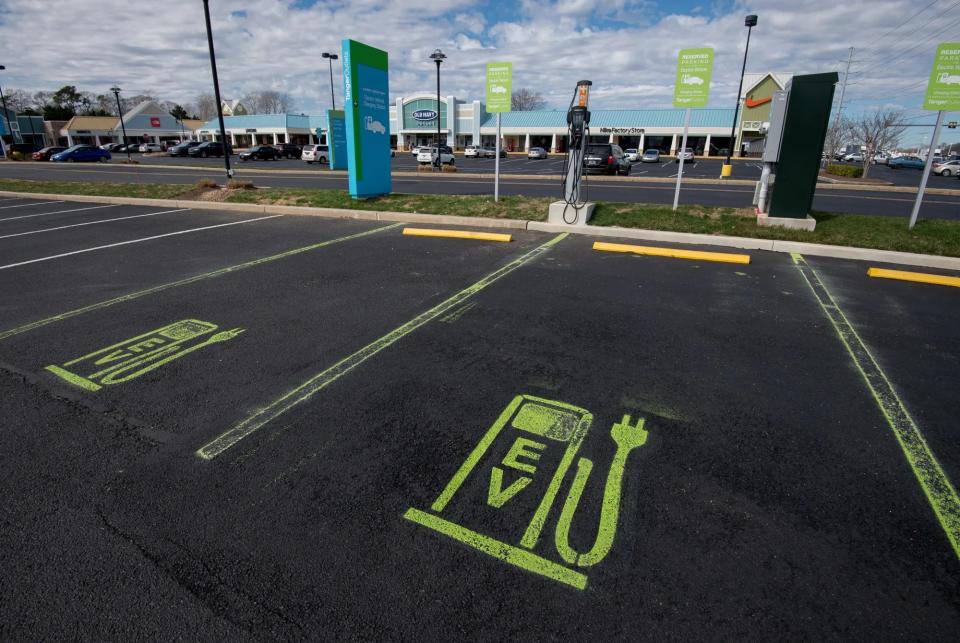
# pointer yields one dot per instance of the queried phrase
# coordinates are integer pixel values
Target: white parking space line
(77, 225)
(124, 243)
(43, 214)
(26, 205)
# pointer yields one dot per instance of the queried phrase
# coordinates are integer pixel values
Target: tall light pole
(216, 91)
(331, 57)
(749, 22)
(123, 128)
(437, 56)
(6, 115)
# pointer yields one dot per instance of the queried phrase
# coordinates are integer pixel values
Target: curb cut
(802, 247)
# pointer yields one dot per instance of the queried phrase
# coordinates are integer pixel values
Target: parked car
(112, 147)
(416, 149)
(79, 153)
(947, 168)
(207, 148)
(45, 153)
(913, 162)
(289, 150)
(27, 149)
(605, 158)
(429, 155)
(260, 153)
(633, 155)
(491, 152)
(855, 157)
(182, 149)
(650, 156)
(537, 153)
(880, 159)
(129, 148)
(151, 147)
(687, 155)
(471, 152)
(318, 153)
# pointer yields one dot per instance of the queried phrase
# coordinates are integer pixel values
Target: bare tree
(838, 137)
(526, 100)
(268, 102)
(204, 106)
(19, 101)
(878, 130)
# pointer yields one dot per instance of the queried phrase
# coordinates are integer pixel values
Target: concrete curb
(813, 249)
(540, 177)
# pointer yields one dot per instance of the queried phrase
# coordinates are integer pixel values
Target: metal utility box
(804, 130)
(778, 116)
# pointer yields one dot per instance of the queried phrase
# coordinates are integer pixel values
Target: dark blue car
(79, 153)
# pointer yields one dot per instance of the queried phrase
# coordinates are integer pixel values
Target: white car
(429, 155)
(946, 168)
(856, 157)
(632, 155)
(151, 147)
(471, 152)
(318, 153)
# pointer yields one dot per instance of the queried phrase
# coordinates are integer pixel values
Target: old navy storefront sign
(424, 115)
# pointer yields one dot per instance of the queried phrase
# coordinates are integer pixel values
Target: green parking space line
(936, 486)
(308, 389)
(183, 282)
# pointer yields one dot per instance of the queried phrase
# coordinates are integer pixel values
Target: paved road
(827, 199)
(704, 168)
(236, 427)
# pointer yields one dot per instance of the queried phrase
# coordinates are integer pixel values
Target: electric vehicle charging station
(798, 126)
(574, 210)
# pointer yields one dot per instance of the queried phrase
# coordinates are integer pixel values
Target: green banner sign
(499, 87)
(694, 69)
(943, 89)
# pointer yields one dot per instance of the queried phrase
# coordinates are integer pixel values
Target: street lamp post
(437, 56)
(749, 22)
(123, 128)
(216, 91)
(330, 58)
(6, 115)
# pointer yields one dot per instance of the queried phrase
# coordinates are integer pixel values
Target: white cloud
(626, 47)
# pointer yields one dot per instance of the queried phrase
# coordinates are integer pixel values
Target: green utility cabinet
(804, 131)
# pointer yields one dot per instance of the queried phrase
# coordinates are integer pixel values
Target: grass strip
(930, 236)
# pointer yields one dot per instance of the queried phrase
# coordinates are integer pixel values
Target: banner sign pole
(691, 89)
(943, 95)
(499, 98)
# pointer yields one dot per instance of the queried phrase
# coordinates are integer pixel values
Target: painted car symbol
(948, 79)
(498, 89)
(374, 126)
(691, 80)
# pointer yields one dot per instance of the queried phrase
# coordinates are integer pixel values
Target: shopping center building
(147, 122)
(413, 122)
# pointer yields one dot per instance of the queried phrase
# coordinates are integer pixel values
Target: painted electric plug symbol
(542, 435)
(628, 437)
(138, 355)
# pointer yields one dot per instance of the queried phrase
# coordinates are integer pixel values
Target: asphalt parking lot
(247, 426)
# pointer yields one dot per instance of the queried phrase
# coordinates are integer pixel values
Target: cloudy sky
(626, 47)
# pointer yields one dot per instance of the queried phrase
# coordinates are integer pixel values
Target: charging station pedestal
(565, 214)
(799, 120)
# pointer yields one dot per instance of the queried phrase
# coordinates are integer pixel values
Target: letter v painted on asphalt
(312, 386)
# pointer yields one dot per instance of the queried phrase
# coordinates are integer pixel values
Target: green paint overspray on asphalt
(560, 425)
(936, 485)
(308, 389)
(183, 282)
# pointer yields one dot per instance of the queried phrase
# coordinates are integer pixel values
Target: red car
(45, 153)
